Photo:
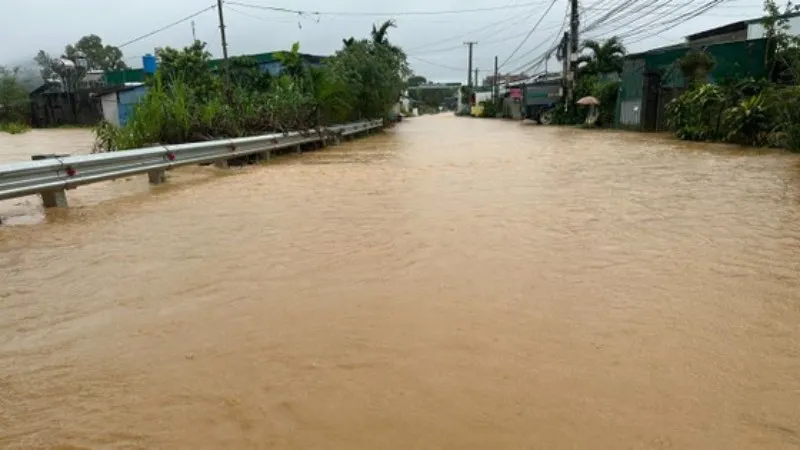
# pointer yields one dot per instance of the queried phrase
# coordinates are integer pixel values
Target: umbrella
(588, 101)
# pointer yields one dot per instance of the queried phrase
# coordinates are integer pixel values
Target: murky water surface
(451, 283)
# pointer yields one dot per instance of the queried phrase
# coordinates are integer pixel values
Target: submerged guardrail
(51, 177)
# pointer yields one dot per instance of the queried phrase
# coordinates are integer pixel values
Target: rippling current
(448, 284)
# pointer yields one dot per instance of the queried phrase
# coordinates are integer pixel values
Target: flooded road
(449, 284)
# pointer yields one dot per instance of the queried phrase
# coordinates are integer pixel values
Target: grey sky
(29, 25)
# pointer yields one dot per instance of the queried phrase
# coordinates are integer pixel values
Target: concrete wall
(110, 105)
(740, 35)
(757, 31)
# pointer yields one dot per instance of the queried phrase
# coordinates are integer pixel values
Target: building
(504, 79)
(52, 106)
(267, 62)
(744, 30)
(117, 102)
(651, 79)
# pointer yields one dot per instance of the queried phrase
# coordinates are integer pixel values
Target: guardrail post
(54, 199)
(298, 149)
(156, 176)
(221, 164)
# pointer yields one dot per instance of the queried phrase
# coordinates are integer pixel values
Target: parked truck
(540, 99)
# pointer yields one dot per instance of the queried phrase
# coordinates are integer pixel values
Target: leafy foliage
(89, 51)
(748, 122)
(697, 114)
(187, 102)
(416, 80)
(604, 57)
(784, 63)
(605, 91)
(13, 98)
(98, 56)
(14, 127)
(244, 72)
(744, 111)
(696, 65)
(490, 109)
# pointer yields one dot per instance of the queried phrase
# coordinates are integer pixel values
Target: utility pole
(477, 83)
(574, 25)
(495, 92)
(469, 67)
(222, 32)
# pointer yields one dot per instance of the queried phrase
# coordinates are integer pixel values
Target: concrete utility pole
(477, 83)
(469, 67)
(495, 93)
(222, 31)
(574, 25)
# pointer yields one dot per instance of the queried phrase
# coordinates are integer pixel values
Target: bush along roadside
(746, 112)
(186, 102)
(605, 91)
(764, 113)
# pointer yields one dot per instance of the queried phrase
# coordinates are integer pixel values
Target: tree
(98, 56)
(61, 70)
(374, 70)
(244, 72)
(292, 62)
(695, 66)
(605, 57)
(93, 53)
(13, 97)
(783, 57)
(190, 66)
(379, 35)
(416, 80)
(47, 65)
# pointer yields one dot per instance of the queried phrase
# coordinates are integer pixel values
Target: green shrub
(14, 128)
(697, 114)
(186, 102)
(783, 104)
(490, 109)
(606, 92)
(747, 123)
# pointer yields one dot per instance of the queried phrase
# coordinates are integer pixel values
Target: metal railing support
(54, 199)
(156, 176)
(50, 175)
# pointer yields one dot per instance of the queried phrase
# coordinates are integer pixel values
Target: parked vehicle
(540, 100)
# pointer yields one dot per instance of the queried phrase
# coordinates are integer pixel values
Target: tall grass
(172, 113)
(14, 128)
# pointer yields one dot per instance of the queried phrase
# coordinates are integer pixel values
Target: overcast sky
(433, 42)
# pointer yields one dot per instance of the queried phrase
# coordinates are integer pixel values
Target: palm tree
(379, 34)
(605, 57)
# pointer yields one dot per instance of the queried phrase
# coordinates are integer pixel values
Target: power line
(667, 24)
(380, 14)
(546, 55)
(455, 69)
(488, 42)
(177, 22)
(508, 21)
(552, 3)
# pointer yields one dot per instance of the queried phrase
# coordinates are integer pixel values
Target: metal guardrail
(50, 177)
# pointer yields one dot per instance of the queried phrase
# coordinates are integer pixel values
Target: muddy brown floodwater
(449, 284)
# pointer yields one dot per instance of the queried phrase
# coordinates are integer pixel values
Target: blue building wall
(127, 100)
